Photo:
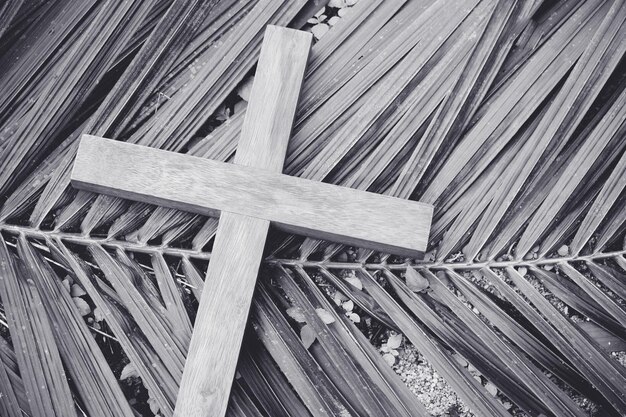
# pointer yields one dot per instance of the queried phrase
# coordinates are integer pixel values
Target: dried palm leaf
(515, 133)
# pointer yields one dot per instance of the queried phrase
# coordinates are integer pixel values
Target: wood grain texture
(297, 205)
(273, 99)
(240, 239)
(222, 316)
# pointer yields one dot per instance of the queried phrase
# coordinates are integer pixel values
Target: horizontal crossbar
(300, 206)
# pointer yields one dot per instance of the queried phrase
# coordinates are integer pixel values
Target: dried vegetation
(509, 116)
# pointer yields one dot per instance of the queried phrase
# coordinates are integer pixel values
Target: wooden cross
(250, 194)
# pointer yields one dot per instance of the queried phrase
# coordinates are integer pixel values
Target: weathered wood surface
(240, 239)
(297, 205)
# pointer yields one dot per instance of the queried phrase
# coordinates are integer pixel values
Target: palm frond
(507, 115)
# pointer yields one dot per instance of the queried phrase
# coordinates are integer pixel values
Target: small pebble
(344, 12)
(320, 30)
(491, 389)
(334, 20)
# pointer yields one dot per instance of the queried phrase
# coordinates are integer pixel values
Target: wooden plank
(240, 240)
(273, 99)
(300, 206)
(222, 316)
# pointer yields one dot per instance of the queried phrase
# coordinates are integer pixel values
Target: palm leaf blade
(507, 115)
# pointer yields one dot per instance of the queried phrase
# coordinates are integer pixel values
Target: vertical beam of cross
(240, 240)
